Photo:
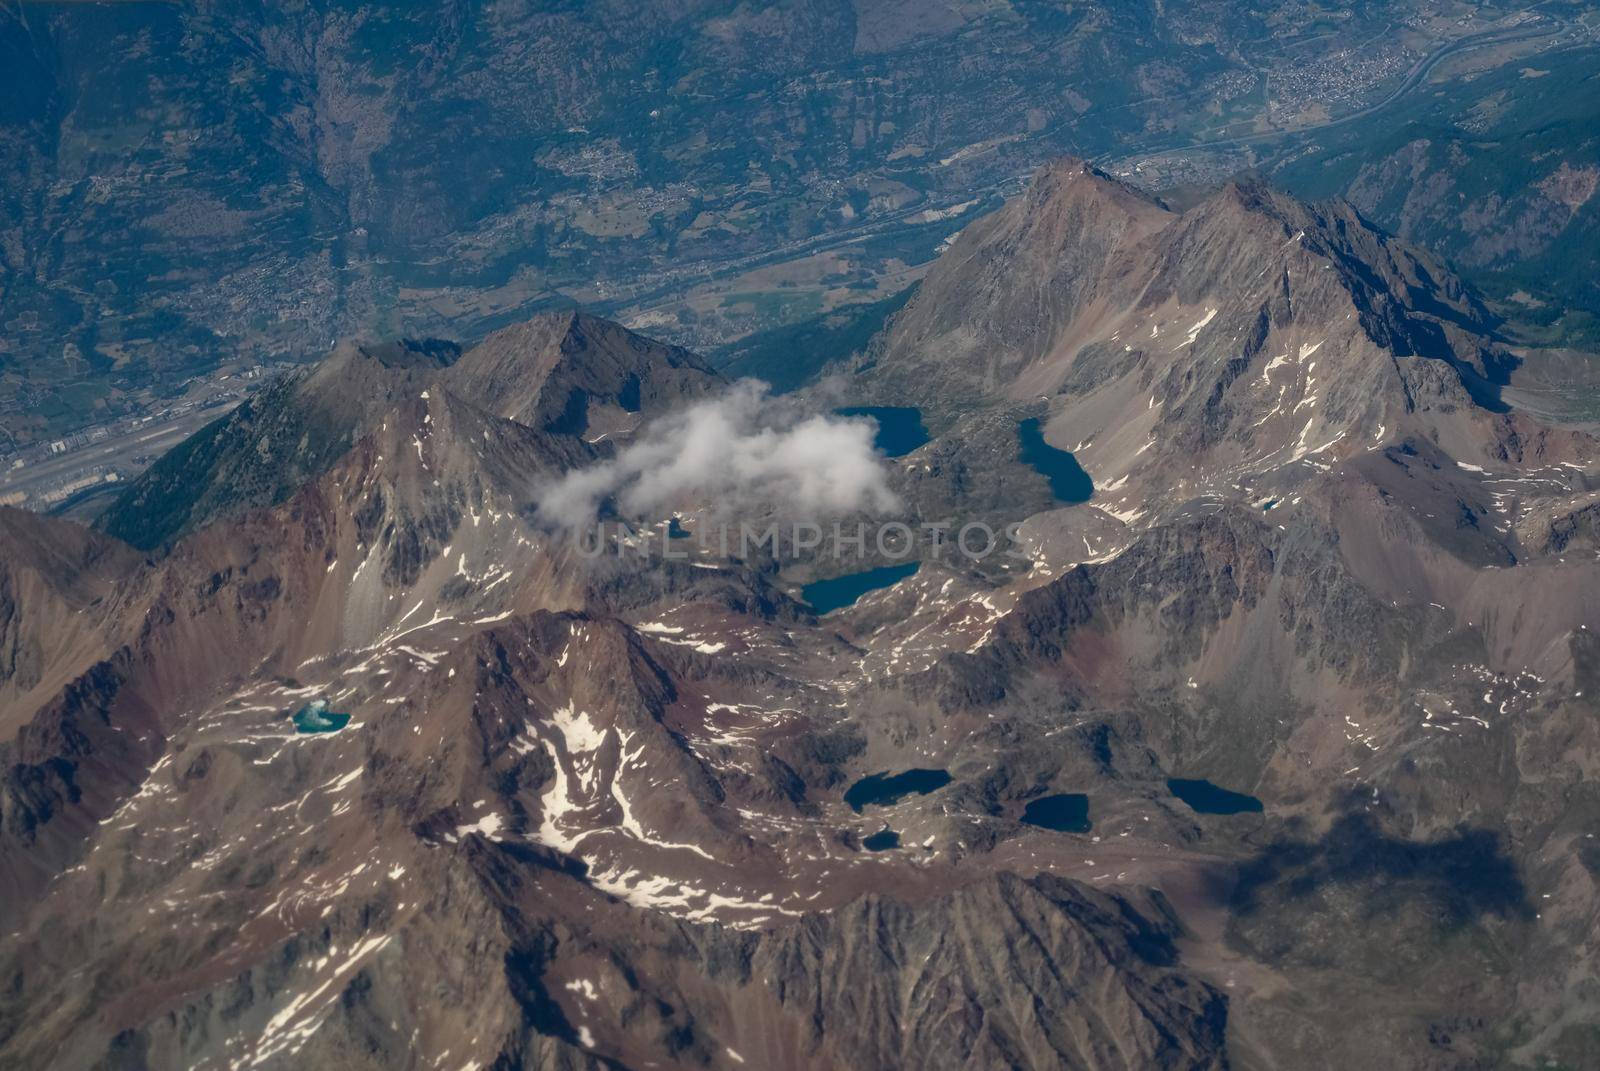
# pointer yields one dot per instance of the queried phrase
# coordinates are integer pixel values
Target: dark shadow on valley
(1463, 877)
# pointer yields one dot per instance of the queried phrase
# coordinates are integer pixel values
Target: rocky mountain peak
(1248, 342)
(1071, 179)
(1014, 281)
(576, 373)
(430, 353)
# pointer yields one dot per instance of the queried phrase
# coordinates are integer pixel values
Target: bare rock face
(369, 769)
(57, 581)
(1004, 973)
(1021, 278)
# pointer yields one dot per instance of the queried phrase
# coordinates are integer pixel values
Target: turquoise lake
(315, 717)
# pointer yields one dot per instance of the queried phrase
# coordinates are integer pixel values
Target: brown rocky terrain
(605, 812)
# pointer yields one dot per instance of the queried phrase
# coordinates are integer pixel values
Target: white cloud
(737, 451)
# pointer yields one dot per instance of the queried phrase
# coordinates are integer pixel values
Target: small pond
(1066, 813)
(881, 841)
(315, 717)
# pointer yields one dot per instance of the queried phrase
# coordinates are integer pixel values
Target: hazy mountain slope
(797, 355)
(1498, 173)
(579, 374)
(272, 444)
(561, 371)
(58, 584)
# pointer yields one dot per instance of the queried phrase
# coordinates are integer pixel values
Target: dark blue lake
(315, 717)
(885, 788)
(1066, 813)
(837, 592)
(1206, 798)
(1068, 482)
(881, 841)
(900, 429)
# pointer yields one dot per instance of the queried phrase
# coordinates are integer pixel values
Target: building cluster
(1338, 82)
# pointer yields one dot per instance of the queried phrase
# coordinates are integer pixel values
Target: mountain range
(195, 189)
(321, 747)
